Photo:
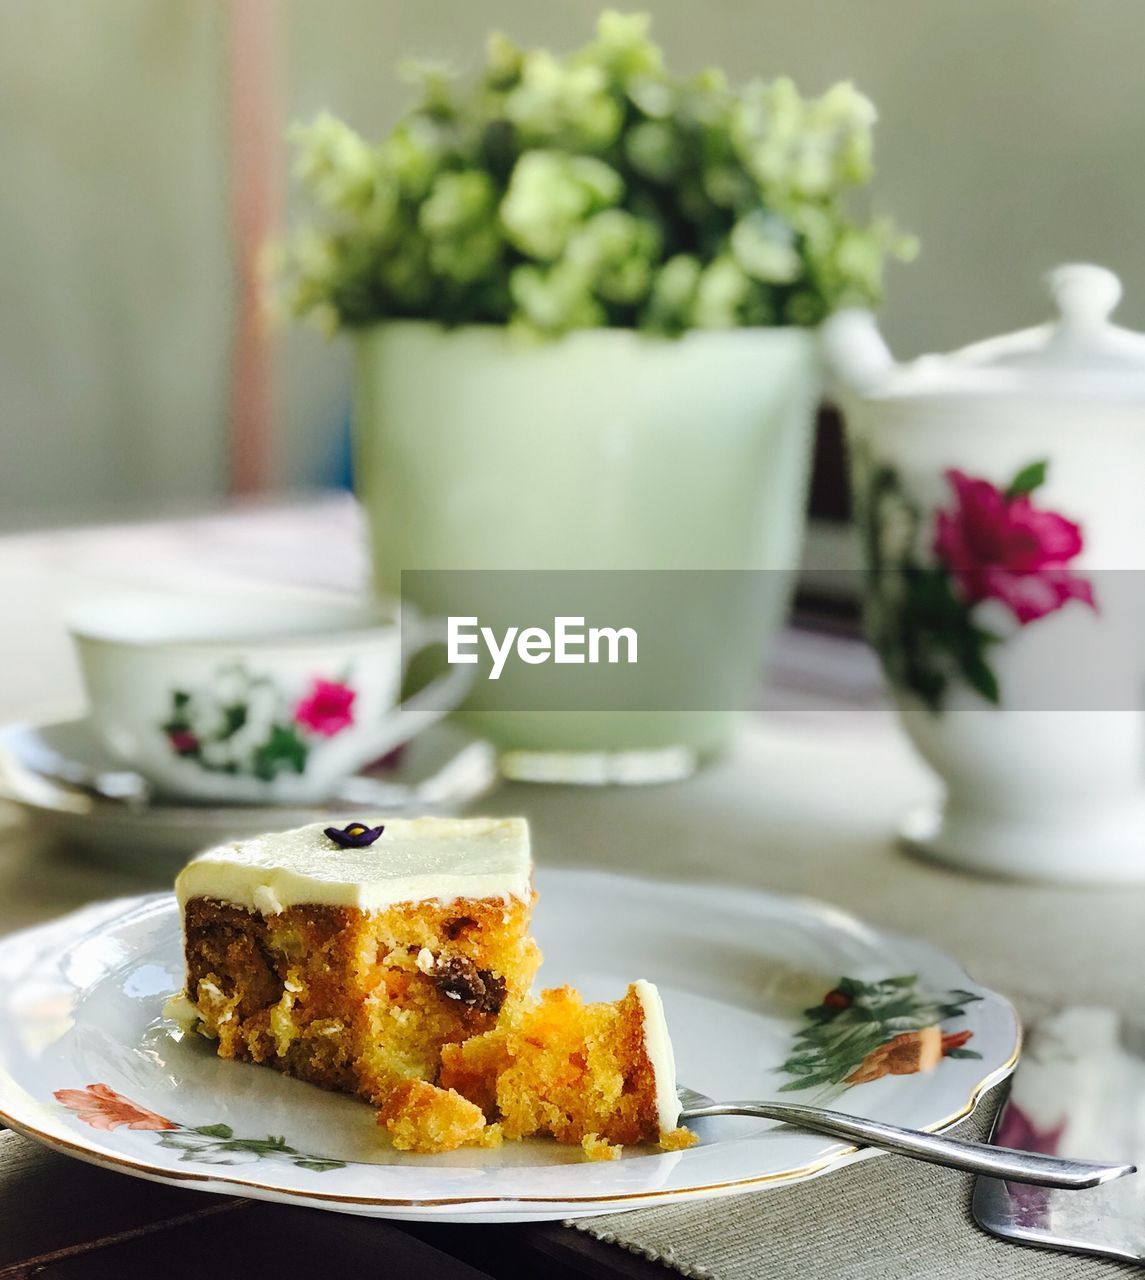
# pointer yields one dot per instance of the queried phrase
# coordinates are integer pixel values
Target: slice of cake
(352, 958)
(394, 962)
(602, 1075)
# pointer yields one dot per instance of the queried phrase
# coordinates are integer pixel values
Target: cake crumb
(421, 1117)
(491, 1136)
(597, 1148)
(678, 1139)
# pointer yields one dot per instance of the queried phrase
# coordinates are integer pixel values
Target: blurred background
(143, 161)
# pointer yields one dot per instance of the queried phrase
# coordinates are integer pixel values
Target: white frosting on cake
(413, 860)
(658, 1047)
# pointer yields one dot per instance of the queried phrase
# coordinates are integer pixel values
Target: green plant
(559, 193)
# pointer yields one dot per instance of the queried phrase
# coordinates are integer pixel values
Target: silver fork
(955, 1153)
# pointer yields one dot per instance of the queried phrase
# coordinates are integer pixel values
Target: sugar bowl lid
(1080, 353)
(1082, 339)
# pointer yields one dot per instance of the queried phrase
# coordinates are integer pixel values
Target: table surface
(806, 802)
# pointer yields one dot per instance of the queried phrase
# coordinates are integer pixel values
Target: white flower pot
(603, 450)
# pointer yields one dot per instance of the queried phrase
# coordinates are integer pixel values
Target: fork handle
(955, 1153)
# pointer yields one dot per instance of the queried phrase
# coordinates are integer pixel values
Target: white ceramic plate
(88, 1066)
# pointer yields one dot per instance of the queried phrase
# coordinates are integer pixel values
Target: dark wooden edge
(66, 1220)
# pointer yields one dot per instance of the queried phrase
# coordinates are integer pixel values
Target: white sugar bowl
(998, 492)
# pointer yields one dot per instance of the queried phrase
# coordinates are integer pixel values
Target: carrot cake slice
(350, 958)
(394, 962)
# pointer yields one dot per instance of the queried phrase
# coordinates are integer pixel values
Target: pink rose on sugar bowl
(999, 546)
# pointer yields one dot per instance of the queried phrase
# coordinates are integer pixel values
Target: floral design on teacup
(246, 725)
(102, 1107)
(862, 1031)
(327, 708)
(989, 546)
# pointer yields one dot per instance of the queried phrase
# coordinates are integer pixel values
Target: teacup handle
(429, 704)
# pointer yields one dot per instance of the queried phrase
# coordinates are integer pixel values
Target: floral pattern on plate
(865, 1030)
(101, 1107)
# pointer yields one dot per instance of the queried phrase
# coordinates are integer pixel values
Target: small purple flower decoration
(356, 835)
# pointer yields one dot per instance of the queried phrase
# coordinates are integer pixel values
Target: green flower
(654, 149)
(503, 59)
(554, 299)
(671, 302)
(457, 200)
(800, 148)
(722, 291)
(467, 258)
(622, 47)
(414, 154)
(459, 219)
(406, 278)
(550, 194)
(846, 262)
(615, 250)
(728, 187)
(764, 246)
(436, 82)
(338, 167)
(842, 122)
(563, 103)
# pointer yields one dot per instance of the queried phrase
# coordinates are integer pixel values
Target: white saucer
(57, 773)
(89, 1067)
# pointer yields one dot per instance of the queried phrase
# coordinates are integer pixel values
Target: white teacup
(267, 700)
